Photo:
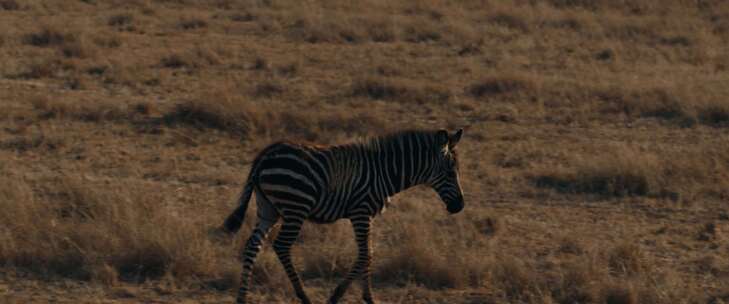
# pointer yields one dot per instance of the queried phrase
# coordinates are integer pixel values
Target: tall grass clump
(622, 172)
(416, 252)
(243, 118)
(72, 44)
(401, 90)
(90, 111)
(9, 5)
(70, 228)
(654, 102)
(194, 59)
(417, 261)
(501, 86)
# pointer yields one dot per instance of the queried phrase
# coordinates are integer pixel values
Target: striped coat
(296, 182)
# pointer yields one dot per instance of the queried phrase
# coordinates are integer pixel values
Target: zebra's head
(444, 179)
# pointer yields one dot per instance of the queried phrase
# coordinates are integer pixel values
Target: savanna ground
(594, 162)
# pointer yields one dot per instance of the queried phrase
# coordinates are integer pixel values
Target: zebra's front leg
(361, 268)
(282, 245)
(253, 245)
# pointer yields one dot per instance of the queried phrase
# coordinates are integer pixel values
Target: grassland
(594, 161)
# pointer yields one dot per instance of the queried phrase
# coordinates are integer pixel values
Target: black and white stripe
(296, 182)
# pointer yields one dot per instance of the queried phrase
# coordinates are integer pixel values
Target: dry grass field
(595, 160)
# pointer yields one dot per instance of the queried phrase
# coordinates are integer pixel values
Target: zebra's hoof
(336, 295)
(333, 300)
(303, 298)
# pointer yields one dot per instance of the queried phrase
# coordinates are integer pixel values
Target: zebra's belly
(328, 211)
(321, 220)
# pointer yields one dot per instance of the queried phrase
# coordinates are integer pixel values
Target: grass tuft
(194, 59)
(419, 263)
(192, 22)
(268, 88)
(500, 85)
(96, 233)
(623, 173)
(204, 114)
(619, 294)
(90, 111)
(516, 280)
(123, 21)
(576, 283)
(45, 68)
(36, 142)
(246, 119)
(510, 20)
(48, 36)
(715, 114)
(488, 226)
(628, 259)
(175, 61)
(402, 90)
(71, 44)
(9, 5)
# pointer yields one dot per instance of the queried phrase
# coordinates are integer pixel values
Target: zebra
(297, 182)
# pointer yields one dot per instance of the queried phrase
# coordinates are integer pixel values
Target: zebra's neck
(404, 163)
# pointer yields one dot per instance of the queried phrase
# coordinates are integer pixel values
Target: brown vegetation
(122, 21)
(9, 5)
(594, 163)
(71, 44)
(400, 90)
(192, 22)
(497, 85)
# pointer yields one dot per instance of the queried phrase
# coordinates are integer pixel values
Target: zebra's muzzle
(455, 207)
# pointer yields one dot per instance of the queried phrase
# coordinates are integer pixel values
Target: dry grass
(401, 90)
(620, 173)
(500, 85)
(620, 295)
(97, 234)
(46, 68)
(247, 119)
(192, 59)
(510, 19)
(516, 281)
(9, 5)
(625, 171)
(33, 142)
(192, 22)
(628, 259)
(123, 21)
(92, 111)
(71, 44)
(594, 163)
(416, 261)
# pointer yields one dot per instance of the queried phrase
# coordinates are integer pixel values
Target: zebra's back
(309, 182)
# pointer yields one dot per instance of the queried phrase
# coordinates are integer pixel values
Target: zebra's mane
(393, 138)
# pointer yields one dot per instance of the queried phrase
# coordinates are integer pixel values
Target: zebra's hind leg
(249, 255)
(361, 268)
(282, 245)
(367, 287)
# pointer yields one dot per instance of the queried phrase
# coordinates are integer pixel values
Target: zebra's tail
(235, 220)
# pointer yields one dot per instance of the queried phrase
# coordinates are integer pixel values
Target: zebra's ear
(455, 138)
(442, 137)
